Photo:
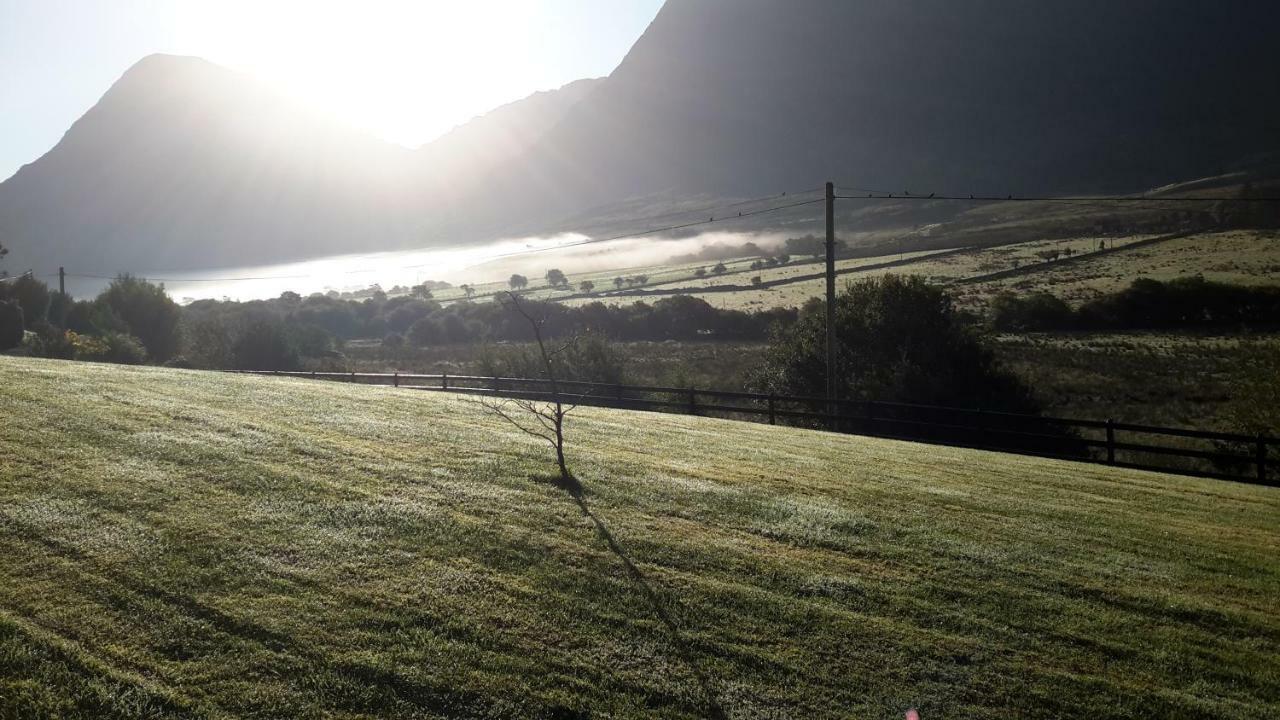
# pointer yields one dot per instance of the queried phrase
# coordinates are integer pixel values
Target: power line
(714, 209)
(875, 195)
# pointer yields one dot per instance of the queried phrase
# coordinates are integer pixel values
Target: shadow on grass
(573, 487)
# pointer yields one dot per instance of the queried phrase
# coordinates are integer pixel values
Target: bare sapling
(535, 416)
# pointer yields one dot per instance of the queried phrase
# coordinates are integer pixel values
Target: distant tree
(264, 344)
(771, 262)
(619, 282)
(149, 313)
(642, 279)
(719, 269)
(756, 280)
(12, 328)
(422, 292)
(425, 332)
(468, 291)
(556, 279)
(586, 286)
(31, 294)
(518, 282)
(1049, 255)
(290, 297)
(755, 265)
(700, 272)
(783, 259)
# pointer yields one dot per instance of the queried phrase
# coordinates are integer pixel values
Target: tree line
(1146, 304)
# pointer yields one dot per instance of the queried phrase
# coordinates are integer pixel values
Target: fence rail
(1226, 456)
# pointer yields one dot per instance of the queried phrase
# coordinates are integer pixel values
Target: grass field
(1241, 256)
(184, 544)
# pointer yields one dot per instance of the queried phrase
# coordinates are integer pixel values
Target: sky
(403, 70)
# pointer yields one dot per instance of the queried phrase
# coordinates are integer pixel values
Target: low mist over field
(488, 263)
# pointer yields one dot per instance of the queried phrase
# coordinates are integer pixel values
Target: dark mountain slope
(742, 97)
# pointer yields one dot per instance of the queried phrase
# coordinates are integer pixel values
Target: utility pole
(62, 301)
(831, 299)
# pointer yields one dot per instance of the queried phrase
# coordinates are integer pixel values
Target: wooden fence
(1225, 456)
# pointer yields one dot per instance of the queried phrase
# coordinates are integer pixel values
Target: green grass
(183, 544)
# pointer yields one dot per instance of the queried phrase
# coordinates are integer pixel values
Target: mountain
(183, 163)
(186, 165)
(745, 97)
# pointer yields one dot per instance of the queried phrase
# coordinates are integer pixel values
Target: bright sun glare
(404, 70)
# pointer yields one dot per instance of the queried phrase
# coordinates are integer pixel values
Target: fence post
(353, 377)
(693, 402)
(1262, 459)
(1111, 441)
(772, 411)
(444, 381)
(396, 379)
(313, 374)
(495, 384)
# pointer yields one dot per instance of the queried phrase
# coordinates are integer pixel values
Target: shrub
(1036, 312)
(123, 349)
(150, 314)
(12, 326)
(208, 341)
(900, 340)
(263, 344)
(426, 332)
(31, 295)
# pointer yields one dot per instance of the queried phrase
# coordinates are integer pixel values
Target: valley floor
(187, 544)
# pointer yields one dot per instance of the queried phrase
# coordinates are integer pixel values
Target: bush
(47, 341)
(900, 340)
(12, 326)
(1037, 312)
(263, 344)
(208, 341)
(94, 317)
(150, 314)
(31, 295)
(116, 348)
(123, 349)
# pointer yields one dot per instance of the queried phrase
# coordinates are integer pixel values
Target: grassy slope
(1239, 256)
(187, 544)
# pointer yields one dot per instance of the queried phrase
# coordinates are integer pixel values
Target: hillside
(747, 97)
(181, 544)
(185, 165)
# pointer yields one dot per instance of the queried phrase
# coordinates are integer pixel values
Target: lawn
(185, 544)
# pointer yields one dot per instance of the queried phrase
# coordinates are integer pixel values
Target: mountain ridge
(717, 99)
